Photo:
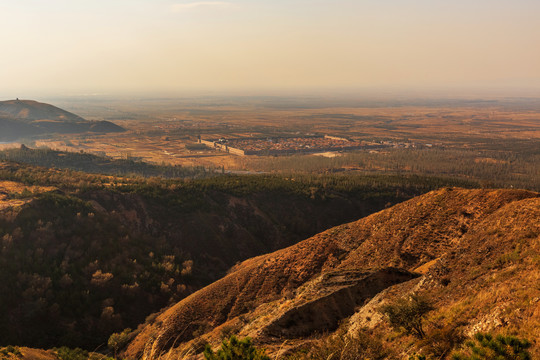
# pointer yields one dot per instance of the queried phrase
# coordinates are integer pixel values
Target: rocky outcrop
(336, 296)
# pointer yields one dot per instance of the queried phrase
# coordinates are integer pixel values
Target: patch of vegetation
(508, 258)
(11, 350)
(100, 164)
(65, 353)
(118, 341)
(72, 276)
(408, 314)
(514, 166)
(236, 349)
(442, 339)
(488, 347)
(342, 346)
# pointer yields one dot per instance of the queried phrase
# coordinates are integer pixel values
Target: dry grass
(10, 192)
(481, 295)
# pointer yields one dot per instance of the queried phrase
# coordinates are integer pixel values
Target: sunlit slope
(451, 244)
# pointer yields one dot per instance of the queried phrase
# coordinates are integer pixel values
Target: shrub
(10, 349)
(235, 349)
(65, 353)
(488, 347)
(408, 314)
(117, 341)
(343, 346)
(442, 339)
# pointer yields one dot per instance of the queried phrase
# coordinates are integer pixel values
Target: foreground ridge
(474, 253)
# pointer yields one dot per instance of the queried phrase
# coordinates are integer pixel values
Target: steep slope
(434, 243)
(25, 118)
(488, 282)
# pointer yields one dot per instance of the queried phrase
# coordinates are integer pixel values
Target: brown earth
(473, 252)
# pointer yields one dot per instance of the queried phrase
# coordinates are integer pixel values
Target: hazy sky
(115, 46)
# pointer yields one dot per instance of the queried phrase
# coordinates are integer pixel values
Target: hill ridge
(30, 110)
(409, 235)
(26, 118)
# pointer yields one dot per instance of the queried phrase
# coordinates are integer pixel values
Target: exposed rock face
(335, 297)
(453, 238)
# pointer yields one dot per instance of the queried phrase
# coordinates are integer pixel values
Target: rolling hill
(27, 118)
(83, 256)
(473, 253)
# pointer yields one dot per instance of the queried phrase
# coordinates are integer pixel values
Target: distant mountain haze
(27, 118)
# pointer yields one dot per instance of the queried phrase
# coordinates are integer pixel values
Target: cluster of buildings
(277, 146)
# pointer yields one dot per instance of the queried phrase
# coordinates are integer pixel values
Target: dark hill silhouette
(30, 110)
(27, 118)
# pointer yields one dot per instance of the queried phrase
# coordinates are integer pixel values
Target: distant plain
(501, 132)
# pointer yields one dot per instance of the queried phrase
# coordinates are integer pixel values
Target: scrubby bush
(343, 346)
(235, 349)
(408, 314)
(118, 341)
(65, 353)
(440, 340)
(11, 350)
